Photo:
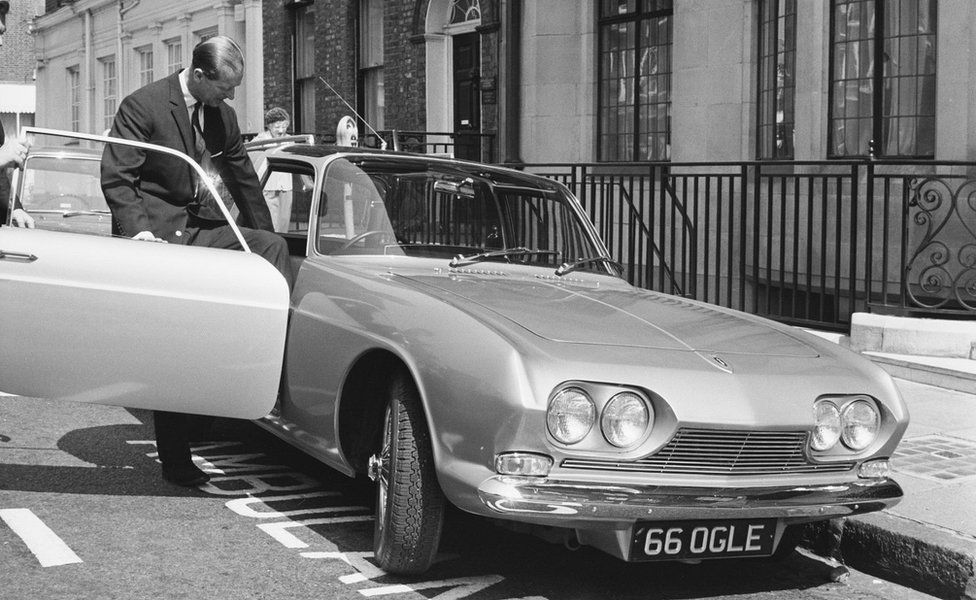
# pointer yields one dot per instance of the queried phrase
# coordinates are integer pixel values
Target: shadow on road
(120, 460)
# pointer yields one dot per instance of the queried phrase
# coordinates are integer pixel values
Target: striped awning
(17, 98)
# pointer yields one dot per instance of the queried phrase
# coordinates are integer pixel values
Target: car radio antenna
(358, 116)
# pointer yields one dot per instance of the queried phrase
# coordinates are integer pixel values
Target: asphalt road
(85, 514)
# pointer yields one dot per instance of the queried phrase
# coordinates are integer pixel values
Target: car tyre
(409, 503)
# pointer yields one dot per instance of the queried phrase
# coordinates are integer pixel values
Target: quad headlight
(860, 421)
(826, 428)
(855, 423)
(624, 415)
(624, 420)
(570, 416)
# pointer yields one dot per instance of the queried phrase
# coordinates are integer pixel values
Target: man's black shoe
(186, 475)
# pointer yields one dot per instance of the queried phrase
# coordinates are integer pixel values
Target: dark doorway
(467, 100)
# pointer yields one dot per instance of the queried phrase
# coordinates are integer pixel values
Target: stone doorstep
(913, 336)
(957, 374)
(928, 558)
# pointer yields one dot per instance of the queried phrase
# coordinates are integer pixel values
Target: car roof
(484, 170)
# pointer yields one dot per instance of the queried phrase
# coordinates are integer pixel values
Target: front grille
(713, 452)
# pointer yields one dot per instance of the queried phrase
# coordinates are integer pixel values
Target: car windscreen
(435, 210)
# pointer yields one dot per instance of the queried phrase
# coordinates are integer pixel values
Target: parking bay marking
(50, 550)
(459, 587)
(251, 499)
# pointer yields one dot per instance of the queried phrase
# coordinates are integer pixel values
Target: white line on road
(49, 549)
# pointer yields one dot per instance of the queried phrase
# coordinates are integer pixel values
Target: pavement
(928, 540)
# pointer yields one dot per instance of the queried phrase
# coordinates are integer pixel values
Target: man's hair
(275, 114)
(217, 53)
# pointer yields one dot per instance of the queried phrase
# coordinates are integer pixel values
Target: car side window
(62, 192)
(288, 191)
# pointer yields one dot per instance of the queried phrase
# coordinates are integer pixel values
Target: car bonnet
(614, 315)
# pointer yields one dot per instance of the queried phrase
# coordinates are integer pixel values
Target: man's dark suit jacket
(149, 191)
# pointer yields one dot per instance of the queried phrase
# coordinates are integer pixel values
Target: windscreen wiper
(460, 260)
(570, 267)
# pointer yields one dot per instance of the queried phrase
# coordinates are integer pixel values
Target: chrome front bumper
(569, 504)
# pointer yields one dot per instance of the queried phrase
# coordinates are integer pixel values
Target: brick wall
(17, 52)
(404, 67)
(336, 23)
(335, 59)
(277, 56)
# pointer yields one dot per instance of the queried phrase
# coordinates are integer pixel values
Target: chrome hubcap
(379, 471)
(374, 467)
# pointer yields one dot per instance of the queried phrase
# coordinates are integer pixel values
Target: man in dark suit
(155, 197)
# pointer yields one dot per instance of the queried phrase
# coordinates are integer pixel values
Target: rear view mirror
(458, 188)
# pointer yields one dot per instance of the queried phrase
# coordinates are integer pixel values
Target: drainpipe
(119, 62)
(88, 34)
(511, 100)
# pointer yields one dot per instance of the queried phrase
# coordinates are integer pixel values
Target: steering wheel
(362, 236)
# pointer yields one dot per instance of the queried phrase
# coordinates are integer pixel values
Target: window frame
(74, 96)
(171, 45)
(370, 53)
(764, 128)
(304, 82)
(202, 35)
(643, 10)
(110, 101)
(878, 79)
(146, 65)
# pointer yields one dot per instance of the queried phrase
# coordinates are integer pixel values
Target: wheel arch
(362, 402)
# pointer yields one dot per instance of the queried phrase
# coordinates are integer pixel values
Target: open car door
(140, 324)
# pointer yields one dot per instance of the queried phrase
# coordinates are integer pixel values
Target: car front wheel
(409, 502)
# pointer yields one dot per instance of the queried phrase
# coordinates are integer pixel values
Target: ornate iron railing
(938, 243)
(806, 242)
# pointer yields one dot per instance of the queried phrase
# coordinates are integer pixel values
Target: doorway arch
(445, 19)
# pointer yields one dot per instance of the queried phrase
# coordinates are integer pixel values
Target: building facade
(801, 159)
(92, 53)
(17, 89)
(623, 80)
(548, 80)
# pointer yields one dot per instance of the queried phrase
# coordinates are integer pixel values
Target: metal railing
(459, 144)
(805, 242)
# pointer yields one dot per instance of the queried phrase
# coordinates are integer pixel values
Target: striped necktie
(205, 206)
(199, 145)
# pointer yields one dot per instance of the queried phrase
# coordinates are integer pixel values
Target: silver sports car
(459, 333)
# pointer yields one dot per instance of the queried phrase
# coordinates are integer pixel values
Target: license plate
(670, 540)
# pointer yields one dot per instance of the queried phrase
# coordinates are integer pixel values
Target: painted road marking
(286, 539)
(259, 488)
(461, 587)
(49, 549)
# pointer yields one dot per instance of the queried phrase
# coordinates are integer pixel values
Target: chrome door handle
(21, 256)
